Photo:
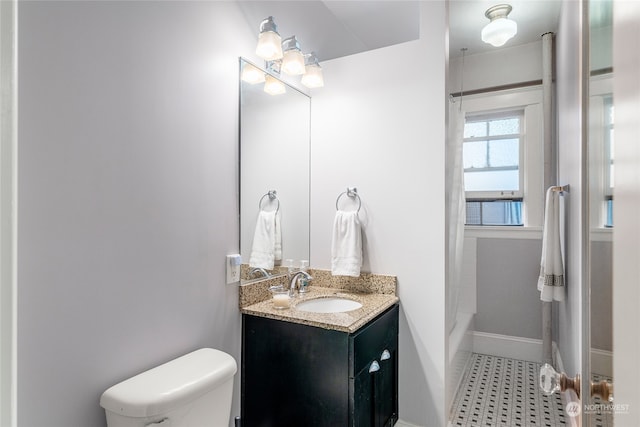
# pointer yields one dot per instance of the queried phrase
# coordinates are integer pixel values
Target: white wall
(626, 268)
(128, 121)
(379, 125)
(8, 211)
(569, 172)
(485, 70)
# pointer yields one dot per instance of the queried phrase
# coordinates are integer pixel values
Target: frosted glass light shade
(269, 46)
(293, 62)
(312, 78)
(273, 86)
(251, 74)
(498, 31)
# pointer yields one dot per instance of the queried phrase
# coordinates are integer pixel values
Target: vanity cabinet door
(363, 399)
(375, 380)
(293, 375)
(386, 391)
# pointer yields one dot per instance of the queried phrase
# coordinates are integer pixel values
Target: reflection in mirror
(601, 185)
(274, 156)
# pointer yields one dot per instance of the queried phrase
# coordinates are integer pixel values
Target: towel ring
(351, 192)
(272, 194)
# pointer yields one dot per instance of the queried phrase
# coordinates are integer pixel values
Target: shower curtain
(456, 208)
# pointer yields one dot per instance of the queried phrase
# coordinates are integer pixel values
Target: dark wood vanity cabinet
(299, 375)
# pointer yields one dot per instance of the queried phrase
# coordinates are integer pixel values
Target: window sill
(602, 234)
(502, 232)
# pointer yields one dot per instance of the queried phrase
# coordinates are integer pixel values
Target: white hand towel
(346, 245)
(264, 241)
(551, 279)
(277, 248)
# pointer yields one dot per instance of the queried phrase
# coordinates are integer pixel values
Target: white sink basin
(328, 305)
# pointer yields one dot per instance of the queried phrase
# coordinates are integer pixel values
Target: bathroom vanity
(303, 373)
(308, 368)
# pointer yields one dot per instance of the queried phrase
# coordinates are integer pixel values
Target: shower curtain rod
(497, 88)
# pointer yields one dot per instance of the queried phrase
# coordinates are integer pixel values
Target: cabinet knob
(375, 367)
(385, 355)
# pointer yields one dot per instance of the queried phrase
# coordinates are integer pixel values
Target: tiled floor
(498, 391)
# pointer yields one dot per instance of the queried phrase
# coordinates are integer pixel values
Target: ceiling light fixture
(500, 29)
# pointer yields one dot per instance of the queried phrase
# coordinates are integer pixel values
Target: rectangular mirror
(274, 156)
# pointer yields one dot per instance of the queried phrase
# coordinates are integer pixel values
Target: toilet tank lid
(170, 385)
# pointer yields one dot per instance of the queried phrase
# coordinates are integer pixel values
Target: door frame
(626, 250)
(8, 213)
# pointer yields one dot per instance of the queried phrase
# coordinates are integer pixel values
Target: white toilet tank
(194, 390)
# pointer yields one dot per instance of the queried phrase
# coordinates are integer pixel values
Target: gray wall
(601, 294)
(128, 118)
(507, 296)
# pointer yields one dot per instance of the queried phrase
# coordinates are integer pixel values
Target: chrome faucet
(294, 281)
(258, 270)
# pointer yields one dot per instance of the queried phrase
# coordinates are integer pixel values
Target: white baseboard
(602, 362)
(528, 349)
(401, 423)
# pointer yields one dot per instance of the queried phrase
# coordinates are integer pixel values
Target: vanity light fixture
(500, 29)
(273, 86)
(252, 74)
(286, 57)
(269, 41)
(312, 77)
(293, 59)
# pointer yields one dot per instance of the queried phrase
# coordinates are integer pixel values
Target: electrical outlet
(233, 268)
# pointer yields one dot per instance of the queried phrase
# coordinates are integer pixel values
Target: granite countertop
(372, 305)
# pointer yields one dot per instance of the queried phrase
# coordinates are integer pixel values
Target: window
(503, 160)
(608, 155)
(494, 212)
(492, 158)
(601, 153)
